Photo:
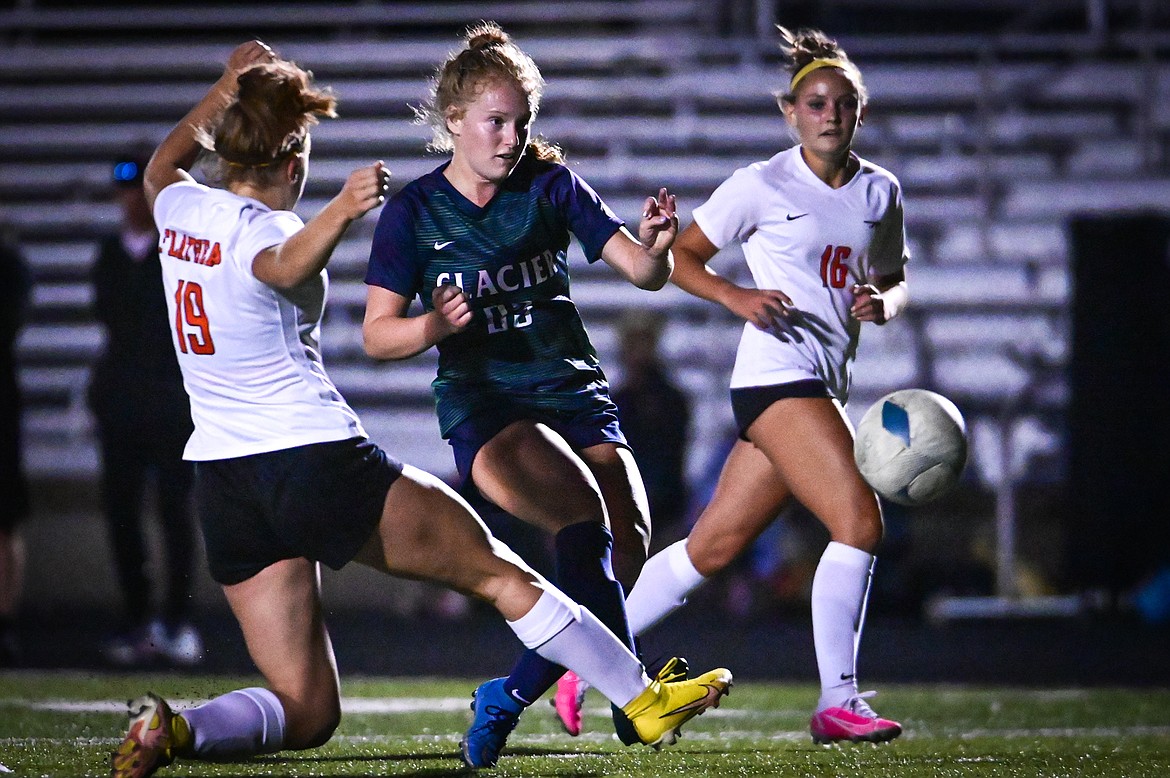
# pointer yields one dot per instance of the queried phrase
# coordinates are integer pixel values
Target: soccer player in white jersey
(822, 232)
(285, 475)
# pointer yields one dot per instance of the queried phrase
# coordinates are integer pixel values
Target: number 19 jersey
(250, 355)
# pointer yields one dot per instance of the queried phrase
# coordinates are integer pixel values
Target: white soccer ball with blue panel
(911, 446)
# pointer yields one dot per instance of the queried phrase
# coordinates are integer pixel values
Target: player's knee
(631, 543)
(714, 557)
(576, 512)
(863, 531)
(313, 728)
(325, 729)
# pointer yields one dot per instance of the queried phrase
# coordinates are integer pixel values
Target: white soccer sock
(667, 579)
(839, 593)
(244, 722)
(564, 632)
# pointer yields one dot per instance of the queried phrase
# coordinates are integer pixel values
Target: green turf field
(64, 724)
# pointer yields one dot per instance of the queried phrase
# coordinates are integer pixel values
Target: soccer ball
(911, 446)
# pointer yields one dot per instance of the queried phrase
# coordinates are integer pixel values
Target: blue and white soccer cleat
(496, 715)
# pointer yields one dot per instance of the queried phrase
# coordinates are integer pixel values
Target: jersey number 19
(191, 315)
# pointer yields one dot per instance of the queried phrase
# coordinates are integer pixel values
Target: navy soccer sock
(584, 572)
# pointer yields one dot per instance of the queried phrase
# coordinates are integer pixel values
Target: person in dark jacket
(143, 422)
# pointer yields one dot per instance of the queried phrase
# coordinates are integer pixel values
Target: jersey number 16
(834, 271)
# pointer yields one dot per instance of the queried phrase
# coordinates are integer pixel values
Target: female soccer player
(483, 241)
(822, 232)
(286, 477)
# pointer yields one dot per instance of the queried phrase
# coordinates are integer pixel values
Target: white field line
(415, 705)
(1068, 732)
(722, 736)
(364, 705)
(355, 705)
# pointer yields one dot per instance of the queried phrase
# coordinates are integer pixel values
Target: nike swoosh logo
(873, 223)
(797, 216)
(701, 703)
(846, 676)
(849, 726)
(440, 245)
(513, 692)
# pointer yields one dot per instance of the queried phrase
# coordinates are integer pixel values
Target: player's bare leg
(279, 612)
(626, 504)
(428, 532)
(747, 498)
(810, 445)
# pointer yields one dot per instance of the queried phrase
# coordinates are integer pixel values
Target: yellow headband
(816, 64)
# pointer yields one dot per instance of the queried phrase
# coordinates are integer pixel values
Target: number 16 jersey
(813, 243)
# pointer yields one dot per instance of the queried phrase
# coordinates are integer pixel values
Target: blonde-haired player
(822, 232)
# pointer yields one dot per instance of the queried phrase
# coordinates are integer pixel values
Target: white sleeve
(888, 251)
(265, 230)
(732, 210)
(172, 197)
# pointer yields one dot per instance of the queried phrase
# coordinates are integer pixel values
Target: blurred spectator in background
(143, 423)
(656, 416)
(15, 284)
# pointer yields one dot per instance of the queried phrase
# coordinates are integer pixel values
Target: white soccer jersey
(813, 243)
(250, 355)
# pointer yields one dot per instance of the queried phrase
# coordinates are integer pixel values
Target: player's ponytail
(268, 121)
(488, 54)
(806, 50)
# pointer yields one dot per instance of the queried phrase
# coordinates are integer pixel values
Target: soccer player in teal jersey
(521, 396)
(525, 344)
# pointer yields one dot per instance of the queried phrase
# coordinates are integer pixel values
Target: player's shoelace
(501, 721)
(857, 704)
(486, 739)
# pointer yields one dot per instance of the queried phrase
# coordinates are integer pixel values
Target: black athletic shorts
(321, 501)
(593, 422)
(749, 402)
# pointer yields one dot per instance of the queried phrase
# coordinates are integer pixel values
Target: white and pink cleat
(853, 722)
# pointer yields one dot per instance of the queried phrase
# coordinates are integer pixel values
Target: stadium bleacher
(998, 136)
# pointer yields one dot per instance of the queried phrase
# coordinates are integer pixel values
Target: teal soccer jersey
(526, 343)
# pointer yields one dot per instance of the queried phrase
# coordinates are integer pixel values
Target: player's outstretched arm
(306, 254)
(646, 261)
(179, 149)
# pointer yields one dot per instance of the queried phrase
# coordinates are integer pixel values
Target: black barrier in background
(1119, 410)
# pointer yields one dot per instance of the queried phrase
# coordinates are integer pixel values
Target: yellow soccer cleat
(154, 735)
(655, 716)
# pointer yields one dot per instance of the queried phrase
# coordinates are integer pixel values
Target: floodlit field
(60, 724)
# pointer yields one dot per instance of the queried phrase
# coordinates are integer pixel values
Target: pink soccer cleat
(854, 722)
(569, 700)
